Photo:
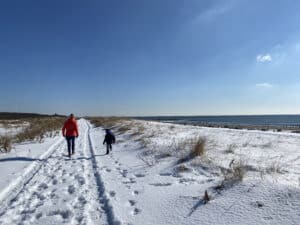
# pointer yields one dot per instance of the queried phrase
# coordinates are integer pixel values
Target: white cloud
(264, 85)
(264, 58)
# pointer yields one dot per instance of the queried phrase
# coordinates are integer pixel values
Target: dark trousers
(71, 144)
(108, 147)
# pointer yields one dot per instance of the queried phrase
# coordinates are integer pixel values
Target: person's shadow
(29, 159)
(82, 157)
(19, 158)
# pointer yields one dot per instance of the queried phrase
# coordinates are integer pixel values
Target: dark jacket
(109, 139)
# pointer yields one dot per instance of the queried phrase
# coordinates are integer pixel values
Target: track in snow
(62, 190)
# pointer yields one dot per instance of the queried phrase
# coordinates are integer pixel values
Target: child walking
(109, 140)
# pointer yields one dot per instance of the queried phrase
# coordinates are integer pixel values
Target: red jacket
(70, 128)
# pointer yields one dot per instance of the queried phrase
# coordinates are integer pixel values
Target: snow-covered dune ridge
(271, 155)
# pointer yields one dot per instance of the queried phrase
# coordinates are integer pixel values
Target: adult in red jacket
(70, 131)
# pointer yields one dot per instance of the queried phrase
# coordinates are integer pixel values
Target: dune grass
(37, 129)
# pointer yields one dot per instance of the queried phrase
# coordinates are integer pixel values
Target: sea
(243, 120)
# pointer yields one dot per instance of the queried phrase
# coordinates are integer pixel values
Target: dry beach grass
(36, 129)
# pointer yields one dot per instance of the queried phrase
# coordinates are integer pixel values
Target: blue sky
(138, 57)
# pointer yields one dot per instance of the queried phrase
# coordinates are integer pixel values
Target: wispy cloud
(264, 85)
(215, 10)
(264, 58)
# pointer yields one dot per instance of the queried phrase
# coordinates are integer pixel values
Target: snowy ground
(141, 182)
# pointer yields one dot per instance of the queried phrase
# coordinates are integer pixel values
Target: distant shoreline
(258, 122)
(294, 129)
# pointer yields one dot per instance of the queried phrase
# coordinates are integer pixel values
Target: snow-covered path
(59, 190)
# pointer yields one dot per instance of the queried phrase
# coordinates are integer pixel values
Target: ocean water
(264, 120)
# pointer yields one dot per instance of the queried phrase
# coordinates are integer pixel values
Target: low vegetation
(230, 149)
(36, 128)
(198, 147)
(124, 128)
(235, 173)
(139, 130)
(5, 144)
(206, 197)
(106, 122)
(190, 148)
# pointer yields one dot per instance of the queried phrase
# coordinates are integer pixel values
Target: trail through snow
(60, 190)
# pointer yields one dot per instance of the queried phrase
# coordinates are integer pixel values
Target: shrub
(238, 172)
(124, 128)
(140, 130)
(193, 146)
(38, 127)
(274, 167)
(5, 143)
(205, 197)
(230, 148)
(235, 173)
(34, 129)
(144, 142)
(105, 122)
(198, 148)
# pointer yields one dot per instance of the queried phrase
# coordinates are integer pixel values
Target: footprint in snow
(112, 193)
(65, 214)
(79, 219)
(132, 202)
(82, 200)
(186, 180)
(39, 215)
(71, 189)
(54, 182)
(130, 181)
(136, 211)
(28, 211)
(108, 170)
(80, 179)
(124, 173)
(165, 174)
(39, 196)
(139, 175)
(161, 184)
(135, 192)
(53, 195)
(42, 186)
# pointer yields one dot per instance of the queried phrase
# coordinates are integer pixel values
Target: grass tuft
(235, 173)
(38, 127)
(105, 122)
(198, 148)
(206, 197)
(5, 143)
